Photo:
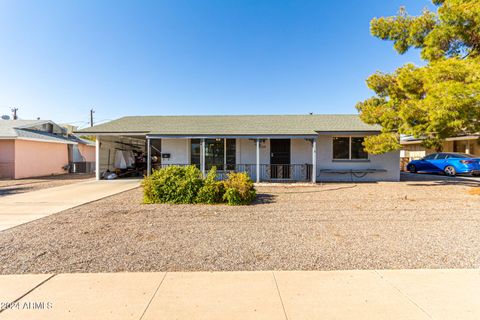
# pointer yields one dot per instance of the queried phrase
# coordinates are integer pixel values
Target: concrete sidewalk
(20, 208)
(370, 294)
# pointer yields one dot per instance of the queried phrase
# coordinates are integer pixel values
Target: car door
(439, 162)
(425, 164)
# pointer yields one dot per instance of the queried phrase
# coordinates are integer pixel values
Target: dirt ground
(9, 186)
(410, 224)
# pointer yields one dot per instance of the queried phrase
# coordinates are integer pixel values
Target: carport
(124, 155)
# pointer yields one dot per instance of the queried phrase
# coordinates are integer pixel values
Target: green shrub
(232, 197)
(212, 190)
(239, 189)
(173, 184)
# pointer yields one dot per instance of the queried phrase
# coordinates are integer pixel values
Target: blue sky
(60, 58)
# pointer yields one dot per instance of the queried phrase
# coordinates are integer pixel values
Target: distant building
(33, 148)
(412, 148)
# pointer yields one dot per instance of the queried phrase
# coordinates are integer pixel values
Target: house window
(218, 152)
(195, 152)
(230, 153)
(349, 148)
(214, 153)
(341, 148)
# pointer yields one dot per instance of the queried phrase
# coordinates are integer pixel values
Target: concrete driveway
(17, 209)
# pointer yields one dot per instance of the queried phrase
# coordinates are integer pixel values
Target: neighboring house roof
(233, 125)
(413, 140)
(81, 140)
(41, 136)
(8, 127)
(22, 129)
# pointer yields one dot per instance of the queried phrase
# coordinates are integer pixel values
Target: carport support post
(258, 159)
(149, 157)
(202, 156)
(314, 161)
(97, 158)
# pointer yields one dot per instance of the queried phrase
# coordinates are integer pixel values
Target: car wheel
(412, 169)
(450, 171)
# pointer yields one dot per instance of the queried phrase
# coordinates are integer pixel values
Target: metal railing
(268, 172)
(286, 172)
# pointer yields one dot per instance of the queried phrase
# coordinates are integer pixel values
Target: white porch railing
(268, 172)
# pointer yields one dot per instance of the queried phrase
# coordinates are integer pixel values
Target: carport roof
(233, 125)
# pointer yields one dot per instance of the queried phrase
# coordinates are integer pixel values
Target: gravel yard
(419, 224)
(25, 185)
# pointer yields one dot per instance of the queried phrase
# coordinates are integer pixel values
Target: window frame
(226, 156)
(350, 159)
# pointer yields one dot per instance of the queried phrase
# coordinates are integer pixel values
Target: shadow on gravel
(264, 198)
(322, 190)
(446, 183)
(439, 180)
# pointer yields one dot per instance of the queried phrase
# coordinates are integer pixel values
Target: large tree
(438, 100)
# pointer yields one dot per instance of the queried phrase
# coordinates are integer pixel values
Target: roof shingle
(233, 125)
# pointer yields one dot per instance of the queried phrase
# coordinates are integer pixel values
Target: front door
(280, 158)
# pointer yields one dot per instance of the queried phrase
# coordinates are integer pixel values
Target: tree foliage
(438, 100)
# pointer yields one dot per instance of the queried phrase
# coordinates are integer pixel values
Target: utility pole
(91, 117)
(14, 111)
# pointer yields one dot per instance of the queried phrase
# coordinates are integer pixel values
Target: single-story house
(34, 148)
(268, 147)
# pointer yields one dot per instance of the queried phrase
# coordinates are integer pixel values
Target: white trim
(114, 134)
(41, 140)
(314, 161)
(189, 151)
(202, 156)
(348, 133)
(149, 157)
(235, 136)
(257, 147)
(225, 154)
(97, 158)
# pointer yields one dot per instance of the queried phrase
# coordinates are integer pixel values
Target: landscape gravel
(397, 225)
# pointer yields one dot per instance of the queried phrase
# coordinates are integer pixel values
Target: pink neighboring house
(34, 148)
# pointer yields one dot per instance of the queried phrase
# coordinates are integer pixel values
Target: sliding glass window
(218, 152)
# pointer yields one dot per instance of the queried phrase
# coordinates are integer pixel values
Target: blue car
(450, 163)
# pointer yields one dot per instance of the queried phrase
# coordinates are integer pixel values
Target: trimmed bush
(173, 184)
(176, 184)
(239, 189)
(212, 190)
